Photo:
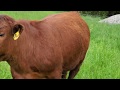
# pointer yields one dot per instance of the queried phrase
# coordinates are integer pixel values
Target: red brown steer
(48, 48)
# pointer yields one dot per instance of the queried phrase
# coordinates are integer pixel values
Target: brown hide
(45, 49)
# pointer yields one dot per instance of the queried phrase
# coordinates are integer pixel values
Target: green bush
(95, 13)
(100, 13)
(110, 13)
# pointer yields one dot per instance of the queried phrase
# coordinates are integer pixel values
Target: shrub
(95, 13)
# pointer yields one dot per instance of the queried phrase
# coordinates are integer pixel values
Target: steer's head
(9, 31)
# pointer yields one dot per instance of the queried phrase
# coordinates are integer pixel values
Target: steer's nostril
(2, 55)
(1, 35)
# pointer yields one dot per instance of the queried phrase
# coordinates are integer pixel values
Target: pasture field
(103, 57)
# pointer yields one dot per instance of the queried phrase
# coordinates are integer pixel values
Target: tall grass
(102, 59)
(28, 15)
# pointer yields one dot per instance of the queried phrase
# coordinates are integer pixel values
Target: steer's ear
(17, 30)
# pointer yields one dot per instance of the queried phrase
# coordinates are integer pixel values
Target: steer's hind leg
(73, 72)
(64, 74)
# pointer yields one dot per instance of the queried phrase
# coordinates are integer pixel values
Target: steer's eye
(1, 35)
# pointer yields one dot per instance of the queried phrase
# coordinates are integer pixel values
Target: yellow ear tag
(16, 35)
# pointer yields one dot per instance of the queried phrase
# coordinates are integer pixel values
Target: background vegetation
(101, 14)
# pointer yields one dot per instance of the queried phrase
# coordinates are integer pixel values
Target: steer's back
(72, 36)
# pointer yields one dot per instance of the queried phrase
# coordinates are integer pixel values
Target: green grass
(102, 59)
(28, 15)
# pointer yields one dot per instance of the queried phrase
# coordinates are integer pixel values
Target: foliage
(95, 13)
